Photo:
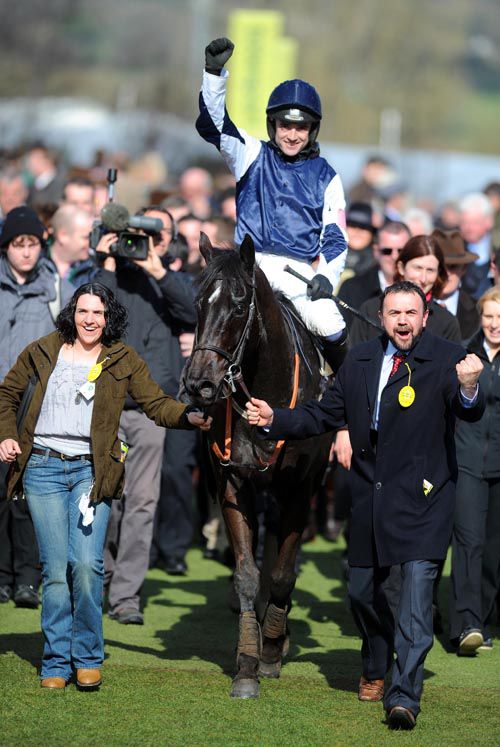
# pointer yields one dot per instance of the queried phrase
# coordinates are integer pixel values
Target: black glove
(320, 287)
(217, 54)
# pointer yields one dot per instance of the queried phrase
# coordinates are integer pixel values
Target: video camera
(115, 218)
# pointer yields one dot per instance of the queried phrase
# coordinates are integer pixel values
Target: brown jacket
(123, 372)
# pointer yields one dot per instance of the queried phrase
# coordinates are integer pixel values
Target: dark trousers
(19, 561)
(130, 529)
(410, 636)
(475, 567)
(173, 531)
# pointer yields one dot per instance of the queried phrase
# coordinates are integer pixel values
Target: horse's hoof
(270, 669)
(245, 688)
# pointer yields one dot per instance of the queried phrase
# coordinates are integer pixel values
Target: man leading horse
(289, 199)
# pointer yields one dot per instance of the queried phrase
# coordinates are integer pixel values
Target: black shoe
(5, 594)
(470, 640)
(26, 596)
(175, 566)
(400, 717)
(127, 616)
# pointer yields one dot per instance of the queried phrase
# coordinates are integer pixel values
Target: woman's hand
(9, 449)
(343, 449)
(197, 419)
(259, 413)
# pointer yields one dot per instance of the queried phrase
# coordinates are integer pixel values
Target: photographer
(173, 525)
(156, 302)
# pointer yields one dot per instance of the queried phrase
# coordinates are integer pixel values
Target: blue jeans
(72, 563)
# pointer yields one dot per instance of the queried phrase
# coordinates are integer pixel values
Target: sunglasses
(387, 250)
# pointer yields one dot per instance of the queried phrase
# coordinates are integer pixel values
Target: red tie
(397, 360)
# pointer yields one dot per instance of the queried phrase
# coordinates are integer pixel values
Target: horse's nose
(203, 389)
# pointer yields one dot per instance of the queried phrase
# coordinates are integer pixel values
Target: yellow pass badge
(406, 396)
(95, 372)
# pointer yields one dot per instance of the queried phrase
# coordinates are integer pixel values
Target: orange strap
(226, 456)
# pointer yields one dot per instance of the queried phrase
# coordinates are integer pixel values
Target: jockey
(289, 199)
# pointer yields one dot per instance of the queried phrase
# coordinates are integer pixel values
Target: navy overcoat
(403, 486)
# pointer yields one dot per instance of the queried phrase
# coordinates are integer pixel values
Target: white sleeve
(238, 148)
(333, 239)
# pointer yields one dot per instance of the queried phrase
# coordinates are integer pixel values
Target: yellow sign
(262, 59)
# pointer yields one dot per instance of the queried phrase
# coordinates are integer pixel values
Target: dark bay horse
(246, 342)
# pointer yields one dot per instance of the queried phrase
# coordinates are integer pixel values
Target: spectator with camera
(173, 526)
(157, 302)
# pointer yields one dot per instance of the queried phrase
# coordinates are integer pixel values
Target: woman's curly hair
(114, 313)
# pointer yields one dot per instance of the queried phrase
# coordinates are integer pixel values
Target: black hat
(21, 221)
(360, 215)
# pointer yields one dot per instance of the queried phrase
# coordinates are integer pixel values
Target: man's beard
(409, 345)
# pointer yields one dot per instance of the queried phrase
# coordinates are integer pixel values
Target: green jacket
(123, 372)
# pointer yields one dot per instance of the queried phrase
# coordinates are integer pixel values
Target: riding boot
(334, 351)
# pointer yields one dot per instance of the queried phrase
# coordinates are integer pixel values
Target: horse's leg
(237, 512)
(275, 637)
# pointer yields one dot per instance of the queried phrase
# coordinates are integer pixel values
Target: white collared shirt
(451, 303)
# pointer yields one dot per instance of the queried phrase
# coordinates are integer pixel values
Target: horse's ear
(247, 253)
(206, 248)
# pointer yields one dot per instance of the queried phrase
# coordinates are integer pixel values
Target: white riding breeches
(321, 317)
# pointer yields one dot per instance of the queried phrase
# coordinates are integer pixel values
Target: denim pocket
(37, 460)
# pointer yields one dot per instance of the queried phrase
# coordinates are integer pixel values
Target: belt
(64, 457)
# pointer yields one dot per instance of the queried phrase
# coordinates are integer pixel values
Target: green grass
(167, 683)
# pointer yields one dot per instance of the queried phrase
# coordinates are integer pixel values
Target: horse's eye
(239, 309)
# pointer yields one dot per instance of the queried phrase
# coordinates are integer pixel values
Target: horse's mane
(227, 264)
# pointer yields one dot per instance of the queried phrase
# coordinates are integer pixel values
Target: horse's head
(226, 317)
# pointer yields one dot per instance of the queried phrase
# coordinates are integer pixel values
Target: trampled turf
(167, 683)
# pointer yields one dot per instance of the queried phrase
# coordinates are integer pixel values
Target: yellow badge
(406, 396)
(95, 372)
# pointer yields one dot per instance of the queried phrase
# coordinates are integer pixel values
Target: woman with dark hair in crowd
(68, 460)
(421, 262)
(475, 565)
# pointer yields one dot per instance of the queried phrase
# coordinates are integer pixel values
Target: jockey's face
(291, 137)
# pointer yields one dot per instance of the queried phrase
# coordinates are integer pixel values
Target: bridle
(233, 375)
